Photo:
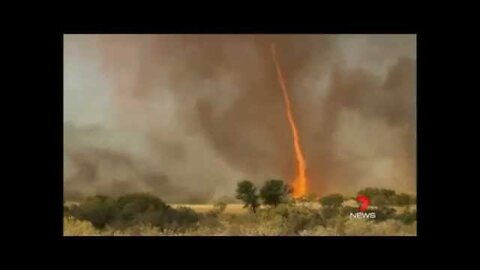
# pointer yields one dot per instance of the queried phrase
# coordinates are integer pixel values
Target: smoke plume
(188, 116)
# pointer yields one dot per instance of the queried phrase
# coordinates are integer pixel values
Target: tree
(274, 192)
(247, 192)
(332, 201)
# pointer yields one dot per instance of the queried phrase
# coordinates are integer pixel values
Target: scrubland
(148, 216)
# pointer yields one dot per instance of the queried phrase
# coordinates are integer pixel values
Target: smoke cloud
(188, 116)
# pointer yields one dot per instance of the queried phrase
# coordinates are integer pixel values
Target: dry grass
(73, 227)
(239, 221)
(199, 208)
(235, 209)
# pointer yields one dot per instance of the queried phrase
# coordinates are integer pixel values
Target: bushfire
(300, 181)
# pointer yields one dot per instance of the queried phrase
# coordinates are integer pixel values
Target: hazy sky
(187, 116)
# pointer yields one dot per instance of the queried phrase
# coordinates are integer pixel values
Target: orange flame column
(300, 181)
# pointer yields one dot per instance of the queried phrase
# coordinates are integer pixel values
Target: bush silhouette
(333, 200)
(404, 200)
(99, 210)
(132, 209)
(407, 217)
(383, 213)
(181, 218)
(330, 212)
(247, 193)
(274, 192)
(384, 197)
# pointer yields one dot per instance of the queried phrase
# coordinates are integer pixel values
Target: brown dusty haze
(188, 116)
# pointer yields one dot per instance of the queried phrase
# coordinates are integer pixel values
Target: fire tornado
(300, 181)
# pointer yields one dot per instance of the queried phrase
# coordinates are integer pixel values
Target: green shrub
(379, 196)
(403, 199)
(360, 227)
(384, 197)
(346, 210)
(303, 219)
(407, 217)
(330, 212)
(148, 209)
(181, 219)
(333, 200)
(99, 210)
(209, 220)
(289, 219)
(140, 207)
(383, 213)
(133, 209)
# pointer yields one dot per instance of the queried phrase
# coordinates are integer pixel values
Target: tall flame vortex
(300, 181)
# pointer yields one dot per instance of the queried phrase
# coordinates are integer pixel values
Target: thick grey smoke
(187, 116)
